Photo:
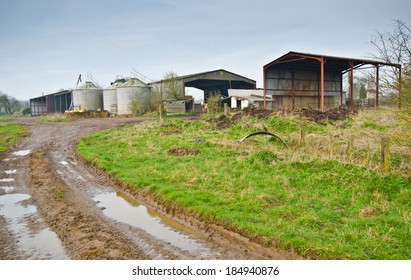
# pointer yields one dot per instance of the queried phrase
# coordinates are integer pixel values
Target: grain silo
(110, 96)
(88, 97)
(133, 89)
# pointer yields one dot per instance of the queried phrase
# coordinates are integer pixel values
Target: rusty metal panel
(306, 83)
(278, 81)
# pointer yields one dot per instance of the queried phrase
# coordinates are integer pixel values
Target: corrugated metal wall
(286, 88)
(279, 82)
(57, 102)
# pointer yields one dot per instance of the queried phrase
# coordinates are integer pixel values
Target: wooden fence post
(331, 146)
(350, 147)
(385, 154)
(367, 155)
(302, 137)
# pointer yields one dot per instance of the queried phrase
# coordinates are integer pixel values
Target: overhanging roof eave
(302, 56)
(189, 76)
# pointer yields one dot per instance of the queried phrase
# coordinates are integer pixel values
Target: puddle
(64, 162)
(22, 153)
(8, 172)
(123, 209)
(7, 189)
(6, 180)
(40, 245)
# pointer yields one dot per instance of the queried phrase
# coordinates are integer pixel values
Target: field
(329, 195)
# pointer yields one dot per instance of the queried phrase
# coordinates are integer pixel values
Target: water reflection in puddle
(8, 172)
(123, 209)
(41, 245)
(6, 180)
(7, 189)
(22, 153)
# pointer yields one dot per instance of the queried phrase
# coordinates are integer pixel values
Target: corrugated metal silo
(88, 97)
(127, 92)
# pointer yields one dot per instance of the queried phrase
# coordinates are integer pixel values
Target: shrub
(214, 103)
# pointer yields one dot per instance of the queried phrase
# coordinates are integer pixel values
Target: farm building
(243, 98)
(209, 82)
(310, 80)
(57, 102)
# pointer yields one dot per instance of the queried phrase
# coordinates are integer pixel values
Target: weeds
(58, 193)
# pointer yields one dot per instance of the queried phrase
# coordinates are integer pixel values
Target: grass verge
(322, 207)
(10, 133)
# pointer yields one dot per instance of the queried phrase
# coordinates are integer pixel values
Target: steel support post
(351, 85)
(293, 88)
(322, 84)
(399, 87)
(265, 89)
(377, 83)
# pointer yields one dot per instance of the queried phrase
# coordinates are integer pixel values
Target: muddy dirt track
(53, 206)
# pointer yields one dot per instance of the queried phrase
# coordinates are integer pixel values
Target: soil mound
(320, 117)
(184, 151)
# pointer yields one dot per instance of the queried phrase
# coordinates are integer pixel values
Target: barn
(297, 80)
(211, 81)
(57, 102)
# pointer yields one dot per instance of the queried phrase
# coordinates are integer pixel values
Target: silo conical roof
(88, 85)
(133, 82)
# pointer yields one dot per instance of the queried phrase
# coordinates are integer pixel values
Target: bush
(214, 103)
(26, 111)
(141, 104)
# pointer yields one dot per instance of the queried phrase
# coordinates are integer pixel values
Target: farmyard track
(62, 192)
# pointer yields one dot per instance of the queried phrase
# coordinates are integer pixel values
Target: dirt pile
(221, 122)
(86, 115)
(257, 113)
(321, 117)
(183, 151)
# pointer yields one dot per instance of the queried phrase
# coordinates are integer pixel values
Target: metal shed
(57, 102)
(303, 79)
(211, 81)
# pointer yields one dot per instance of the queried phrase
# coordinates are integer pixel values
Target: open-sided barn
(311, 80)
(57, 102)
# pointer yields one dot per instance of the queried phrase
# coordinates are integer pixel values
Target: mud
(65, 194)
(321, 117)
(183, 151)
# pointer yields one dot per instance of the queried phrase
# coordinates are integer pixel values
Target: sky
(46, 44)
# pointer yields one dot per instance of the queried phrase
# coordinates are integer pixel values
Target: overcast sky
(45, 45)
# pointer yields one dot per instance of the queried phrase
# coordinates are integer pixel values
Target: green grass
(373, 126)
(321, 208)
(10, 133)
(6, 117)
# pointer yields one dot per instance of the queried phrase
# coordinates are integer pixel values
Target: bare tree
(171, 85)
(8, 103)
(395, 48)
